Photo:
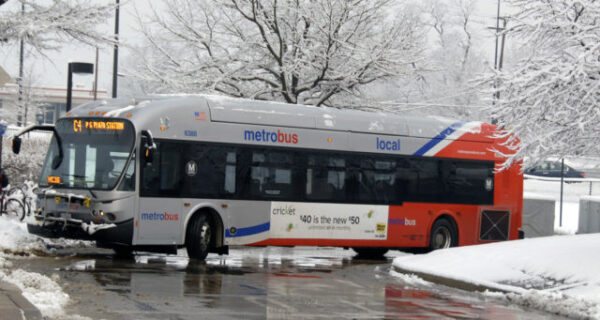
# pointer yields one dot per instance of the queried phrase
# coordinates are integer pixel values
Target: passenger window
(325, 177)
(230, 172)
(210, 171)
(271, 174)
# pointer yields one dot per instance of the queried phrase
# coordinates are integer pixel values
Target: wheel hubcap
(205, 236)
(441, 239)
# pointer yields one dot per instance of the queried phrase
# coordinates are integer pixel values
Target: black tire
(443, 235)
(27, 206)
(14, 208)
(123, 252)
(198, 237)
(370, 253)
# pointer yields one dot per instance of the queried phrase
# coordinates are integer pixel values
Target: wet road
(257, 283)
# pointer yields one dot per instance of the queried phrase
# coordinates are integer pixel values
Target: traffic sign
(2, 129)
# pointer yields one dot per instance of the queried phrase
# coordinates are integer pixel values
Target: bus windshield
(94, 153)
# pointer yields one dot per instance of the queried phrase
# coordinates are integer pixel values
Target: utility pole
(22, 113)
(116, 52)
(497, 30)
(562, 180)
(498, 57)
(96, 76)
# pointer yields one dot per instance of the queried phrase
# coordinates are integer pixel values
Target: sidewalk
(557, 274)
(13, 306)
(454, 283)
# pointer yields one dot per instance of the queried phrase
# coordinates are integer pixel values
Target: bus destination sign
(79, 125)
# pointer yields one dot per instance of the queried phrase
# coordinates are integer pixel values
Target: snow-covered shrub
(26, 165)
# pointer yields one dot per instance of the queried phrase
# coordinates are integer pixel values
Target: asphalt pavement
(255, 283)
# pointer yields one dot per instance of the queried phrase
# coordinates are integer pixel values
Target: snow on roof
(258, 112)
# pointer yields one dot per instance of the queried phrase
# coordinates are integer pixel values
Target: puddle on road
(266, 283)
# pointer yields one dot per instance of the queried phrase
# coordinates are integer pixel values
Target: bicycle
(12, 207)
(23, 193)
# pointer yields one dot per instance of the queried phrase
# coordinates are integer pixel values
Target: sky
(50, 68)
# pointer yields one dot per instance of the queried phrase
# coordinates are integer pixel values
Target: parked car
(552, 169)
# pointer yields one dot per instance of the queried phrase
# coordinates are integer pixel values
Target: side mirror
(148, 148)
(148, 154)
(16, 145)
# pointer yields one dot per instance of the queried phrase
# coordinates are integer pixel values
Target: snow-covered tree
(318, 52)
(44, 24)
(453, 59)
(550, 100)
(456, 59)
(27, 165)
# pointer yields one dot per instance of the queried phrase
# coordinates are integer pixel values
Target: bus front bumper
(54, 227)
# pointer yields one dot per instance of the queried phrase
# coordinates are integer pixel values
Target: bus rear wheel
(443, 235)
(198, 237)
(370, 253)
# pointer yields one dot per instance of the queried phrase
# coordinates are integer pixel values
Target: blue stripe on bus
(242, 232)
(437, 139)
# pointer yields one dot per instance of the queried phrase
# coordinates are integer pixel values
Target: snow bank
(558, 274)
(14, 239)
(42, 291)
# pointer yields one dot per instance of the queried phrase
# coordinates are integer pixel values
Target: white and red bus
(208, 172)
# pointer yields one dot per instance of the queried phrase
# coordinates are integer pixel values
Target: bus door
(160, 208)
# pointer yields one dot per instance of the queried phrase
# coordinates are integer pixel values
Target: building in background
(41, 105)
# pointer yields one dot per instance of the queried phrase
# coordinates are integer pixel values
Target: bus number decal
(300, 220)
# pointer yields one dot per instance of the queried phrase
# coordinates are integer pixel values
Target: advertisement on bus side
(301, 220)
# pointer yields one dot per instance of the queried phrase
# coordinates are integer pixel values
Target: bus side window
(467, 181)
(271, 175)
(325, 177)
(230, 172)
(428, 179)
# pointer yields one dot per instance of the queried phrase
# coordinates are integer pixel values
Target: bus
(208, 172)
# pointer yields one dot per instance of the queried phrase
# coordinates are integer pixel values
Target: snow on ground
(558, 274)
(42, 291)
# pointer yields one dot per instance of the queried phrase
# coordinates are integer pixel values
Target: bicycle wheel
(27, 205)
(15, 192)
(14, 208)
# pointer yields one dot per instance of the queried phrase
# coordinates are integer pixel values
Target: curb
(13, 306)
(454, 283)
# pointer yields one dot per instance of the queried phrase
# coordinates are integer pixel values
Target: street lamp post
(76, 67)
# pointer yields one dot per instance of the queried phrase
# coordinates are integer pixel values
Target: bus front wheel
(198, 237)
(443, 235)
